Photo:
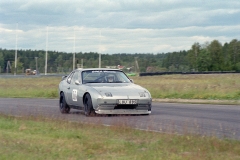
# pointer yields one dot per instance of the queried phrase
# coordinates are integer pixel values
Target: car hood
(119, 89)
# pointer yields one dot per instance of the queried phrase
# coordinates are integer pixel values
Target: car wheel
(88, 107)
(64, 108)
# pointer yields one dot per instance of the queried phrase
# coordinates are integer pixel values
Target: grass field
(214, 86)
(24, 138)
(38, 138)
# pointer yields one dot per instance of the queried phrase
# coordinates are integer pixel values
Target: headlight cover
(108, 94)
(143, 94)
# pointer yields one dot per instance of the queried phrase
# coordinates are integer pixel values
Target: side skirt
(76, 107)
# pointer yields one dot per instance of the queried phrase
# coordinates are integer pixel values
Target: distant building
(120, 67)
(116, 67)
(112, 67)
(150, 69)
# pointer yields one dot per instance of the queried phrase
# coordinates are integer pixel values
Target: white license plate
(127, 101)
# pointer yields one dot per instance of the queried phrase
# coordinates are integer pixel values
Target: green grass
(38, 138)
(214, 86)
(45, 87)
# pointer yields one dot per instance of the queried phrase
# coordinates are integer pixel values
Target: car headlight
(108, 94)
(142, 94)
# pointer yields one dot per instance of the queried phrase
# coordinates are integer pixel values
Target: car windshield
(104, 76)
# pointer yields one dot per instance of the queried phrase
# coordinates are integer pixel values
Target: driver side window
(75, 77)
(69, 78)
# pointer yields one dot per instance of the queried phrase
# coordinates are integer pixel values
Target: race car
(102, 91)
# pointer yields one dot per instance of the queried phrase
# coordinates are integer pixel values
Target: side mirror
(131, 80)
(64, 77)
(77, 82)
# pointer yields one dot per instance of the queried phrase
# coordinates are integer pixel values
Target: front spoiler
(123, 111)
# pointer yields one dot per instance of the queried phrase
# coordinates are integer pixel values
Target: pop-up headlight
(142, 94)
(108, 94)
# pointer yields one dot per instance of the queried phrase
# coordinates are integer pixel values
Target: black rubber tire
(63, 106)
(88, 107)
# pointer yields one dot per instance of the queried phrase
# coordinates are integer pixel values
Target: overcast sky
(117, 26)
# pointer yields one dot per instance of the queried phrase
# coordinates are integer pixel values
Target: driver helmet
(110, 78)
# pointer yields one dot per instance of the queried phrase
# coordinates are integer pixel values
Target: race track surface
(209, 120)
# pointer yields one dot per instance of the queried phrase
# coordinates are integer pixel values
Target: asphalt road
(204, 119)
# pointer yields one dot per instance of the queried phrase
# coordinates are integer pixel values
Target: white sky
(117, 26)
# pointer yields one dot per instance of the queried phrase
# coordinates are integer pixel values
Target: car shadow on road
(106, 115)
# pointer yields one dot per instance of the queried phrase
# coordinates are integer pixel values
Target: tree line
(210, 56)
(206, 57)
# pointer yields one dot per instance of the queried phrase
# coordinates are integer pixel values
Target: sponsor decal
(74, 95)
(100, 71)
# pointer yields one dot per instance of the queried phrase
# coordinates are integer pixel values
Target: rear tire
(88, 107)
(63, 106)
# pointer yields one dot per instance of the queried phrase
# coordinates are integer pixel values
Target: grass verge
(207, 87)
(43, 87)
(39, 138)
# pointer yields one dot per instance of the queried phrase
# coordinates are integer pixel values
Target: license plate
(127, 101)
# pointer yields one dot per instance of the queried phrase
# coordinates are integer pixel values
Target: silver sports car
(102, 91)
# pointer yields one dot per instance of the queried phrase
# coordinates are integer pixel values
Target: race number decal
(74, 95)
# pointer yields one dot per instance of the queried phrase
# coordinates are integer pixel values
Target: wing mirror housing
(64, 77)
(131, 80)
(77, 82)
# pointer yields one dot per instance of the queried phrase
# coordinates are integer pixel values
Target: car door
(75, 90)
(68, 92)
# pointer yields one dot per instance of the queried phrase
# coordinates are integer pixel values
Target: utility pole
(8, 66)
(99, 65)
(15, 67)
(36, 65)
(136, 63)
(46, 52)
(196, 56)
(74, 50)
(99, 60)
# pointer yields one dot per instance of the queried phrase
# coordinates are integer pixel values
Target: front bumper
(112, 107)
(123, 111)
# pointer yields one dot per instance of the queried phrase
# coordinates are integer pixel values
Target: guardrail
(169, 73)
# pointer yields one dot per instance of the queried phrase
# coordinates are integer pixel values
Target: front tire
(88, 107)
(63, 106)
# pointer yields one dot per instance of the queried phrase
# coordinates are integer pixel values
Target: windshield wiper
(118, 82)
(92, 82)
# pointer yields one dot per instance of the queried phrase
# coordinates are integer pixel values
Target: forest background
(210, 56)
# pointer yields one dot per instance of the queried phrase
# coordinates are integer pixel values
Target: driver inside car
(110, 78)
